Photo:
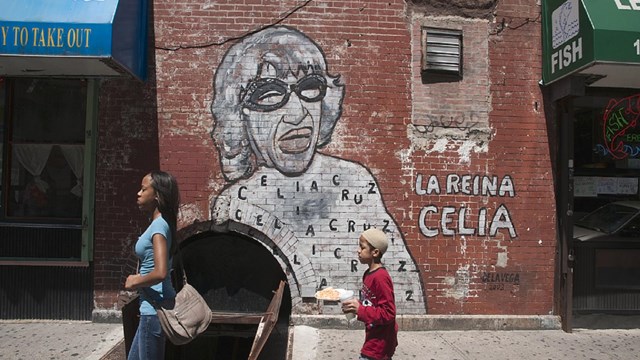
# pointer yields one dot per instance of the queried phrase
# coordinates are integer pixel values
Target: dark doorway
(234, 273)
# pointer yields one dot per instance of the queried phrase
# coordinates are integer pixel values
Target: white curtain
(74, 154)
(33, 157)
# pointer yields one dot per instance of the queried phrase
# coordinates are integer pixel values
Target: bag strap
(150, 298)
(179, 253)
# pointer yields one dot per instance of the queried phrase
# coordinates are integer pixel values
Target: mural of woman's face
(283, 118)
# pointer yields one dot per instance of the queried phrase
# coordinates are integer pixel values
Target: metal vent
(441, 55)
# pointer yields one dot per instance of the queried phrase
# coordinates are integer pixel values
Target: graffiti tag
(462, 122)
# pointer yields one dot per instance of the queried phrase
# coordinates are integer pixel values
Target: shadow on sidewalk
(606, 321)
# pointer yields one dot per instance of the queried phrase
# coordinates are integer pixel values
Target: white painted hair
(289, 51)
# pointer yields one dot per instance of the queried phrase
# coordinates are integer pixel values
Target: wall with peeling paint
(459, 173)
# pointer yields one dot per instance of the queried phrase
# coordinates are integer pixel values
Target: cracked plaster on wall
(464, 148)
(502, 257)
(458, 284)
(190, 213)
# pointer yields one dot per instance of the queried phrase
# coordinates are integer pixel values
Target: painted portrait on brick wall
(275, 107)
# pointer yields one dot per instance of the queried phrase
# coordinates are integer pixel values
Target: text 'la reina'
(434, 221)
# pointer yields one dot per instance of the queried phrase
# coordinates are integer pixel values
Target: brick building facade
(291, 127)
(458, 172)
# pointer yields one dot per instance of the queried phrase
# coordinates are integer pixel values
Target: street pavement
(617, 338)
(42, 340)
(475, 345)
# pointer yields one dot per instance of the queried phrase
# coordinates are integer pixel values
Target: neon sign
(619, 117)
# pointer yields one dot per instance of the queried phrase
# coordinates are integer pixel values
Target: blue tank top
(144, 252)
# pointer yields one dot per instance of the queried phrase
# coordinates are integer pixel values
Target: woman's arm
(160, 266)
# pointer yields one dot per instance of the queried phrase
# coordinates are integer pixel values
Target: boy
(377, 308)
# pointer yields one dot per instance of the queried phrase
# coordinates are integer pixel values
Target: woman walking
(158, 198)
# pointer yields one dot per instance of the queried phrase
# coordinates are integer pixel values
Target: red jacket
(378, 312)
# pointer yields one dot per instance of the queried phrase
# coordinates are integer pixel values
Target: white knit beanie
(377, 239)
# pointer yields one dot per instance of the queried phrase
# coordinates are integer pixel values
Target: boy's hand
(350, 306)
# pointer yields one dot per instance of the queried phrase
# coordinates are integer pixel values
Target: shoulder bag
(185, 317)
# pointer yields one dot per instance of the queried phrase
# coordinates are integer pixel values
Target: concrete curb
(110, 341)
(440, 322)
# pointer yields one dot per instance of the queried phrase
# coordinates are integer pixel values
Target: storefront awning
(597, 39)
(73, 38)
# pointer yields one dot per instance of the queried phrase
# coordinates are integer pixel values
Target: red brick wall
(127, 150)
(372, 45)
(522, 150)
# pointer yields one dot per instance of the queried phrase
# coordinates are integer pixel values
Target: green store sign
(579, 34)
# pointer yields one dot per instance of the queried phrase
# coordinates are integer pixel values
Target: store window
(2, 106)
(607, 132)
(46, 143)
(606, 148)
(43, 159)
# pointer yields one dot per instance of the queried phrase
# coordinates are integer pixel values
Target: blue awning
(73, 38)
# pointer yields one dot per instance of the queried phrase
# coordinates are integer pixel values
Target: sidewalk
(606, 338)
(31, 340)
(313, 344)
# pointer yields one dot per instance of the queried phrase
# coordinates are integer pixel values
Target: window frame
(87, 217)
